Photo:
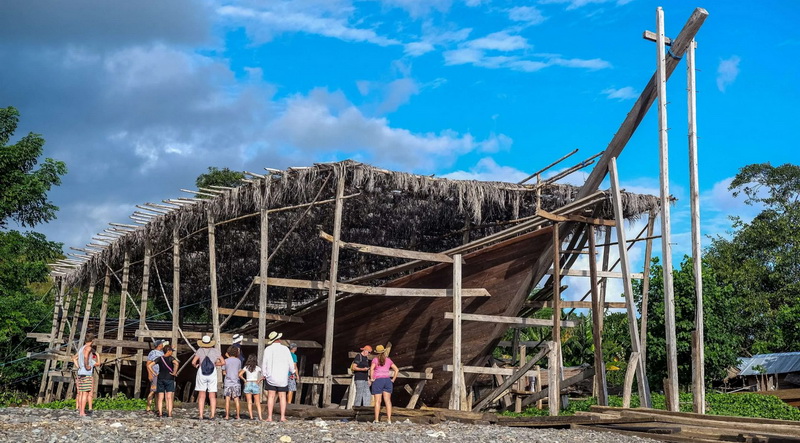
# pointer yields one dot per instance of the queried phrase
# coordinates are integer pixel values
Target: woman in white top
(252, 377)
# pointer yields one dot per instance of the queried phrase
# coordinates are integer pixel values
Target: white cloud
(727, 71)
(313, 18)
(415, 49)
(419, 8)
(499, 41)
(625, 93)
(575, 4)
(593, 64)
(433, 37)
(487, 169)
(530, 15)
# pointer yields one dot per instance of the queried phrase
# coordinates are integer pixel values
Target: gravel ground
(46, 425)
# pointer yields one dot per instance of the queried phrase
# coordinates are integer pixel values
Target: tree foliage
(219, 177)
(23, 189)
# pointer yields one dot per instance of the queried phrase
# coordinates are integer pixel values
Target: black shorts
(165, 386)
(269, 387)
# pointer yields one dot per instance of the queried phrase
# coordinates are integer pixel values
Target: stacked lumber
(424, 415)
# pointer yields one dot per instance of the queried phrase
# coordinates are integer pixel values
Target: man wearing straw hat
(277, 365)
(206, 360)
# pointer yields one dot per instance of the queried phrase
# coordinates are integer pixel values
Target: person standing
(152, 370)
(86, 362)
(165, 384)
(294, 377)
(277, 365)
(251, 375)
(360, 368)
(206, 360)
(237, 343)
(383, 373)
(233, 389)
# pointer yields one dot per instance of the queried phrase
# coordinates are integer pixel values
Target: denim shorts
(382, 385)
(251, 387)
(165, 386)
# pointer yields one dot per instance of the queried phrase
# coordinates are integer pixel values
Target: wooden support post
(698, 352)
(263, 270)
(597, 324)
(458, 381)
(123, 300)
(70, 346)
(513, 378)
(176, 285)
(101, 328)
(137, 386)
(59, 343)
(537, 386)
(627, 387)
(327, 366)
(88, 309)
(522, 383)
(505, 400)
(648, 252)
(553, 388)
(62, 286)
(644, 389)
(301, 367)
(605, 266)
(666, 246)
(212, 272)
(555, 371)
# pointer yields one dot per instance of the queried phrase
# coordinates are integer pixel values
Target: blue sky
(140, 97)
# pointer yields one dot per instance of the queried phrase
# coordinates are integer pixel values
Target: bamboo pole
(88, 310)
(212, 271)
(101, 329)
(456, 400)
(262, 287)
(698, 354)
(123, 300)
(337, 228)
(137, 387)
(644, 389)
(71, 345)
(554, 400)
(597, 324)
(56, 306)
(666, 247)
(176, 286)
(59, 340)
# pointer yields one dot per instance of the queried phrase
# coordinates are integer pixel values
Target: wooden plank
(648, 252)
(630, 371)
(212, 274)
(137, 388)
(176, 285)
(263, 290)
(600, 274)
(390, 252)
(698, 345)
(131, 344)
(644, 389)
(527, 343)
(102, 322)
(494, 370)
(192, 335)
(555, 362)
(666, 245)
(412, 402)
(575, 379)
(597, 323)
(123, 301)
(511, 379)
(650, 35)
(71, 345)
(518, 322)
(574, 217)
(88, 309)
(455, 392)
(327, 363)
(58, 308)
(256, 314)
(410, 292)
(573, 304)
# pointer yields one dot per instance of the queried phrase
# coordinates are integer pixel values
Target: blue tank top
(82, 371)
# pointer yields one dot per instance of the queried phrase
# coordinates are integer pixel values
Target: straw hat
(206, 342)
(273, 336)
(379, 349)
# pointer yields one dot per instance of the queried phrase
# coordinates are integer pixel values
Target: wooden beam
(257, 314)
(456, 400)
(263, 290)
(575, 379)
(650, 35)
(140, 345)
(327, 363)
(518, 322)
(372, 290)
(390, 252)
(88, 309)
(71, 345)
(193, 335)
(212, 274)
(666, 246)
(487, 370)
(648, 252)
(123, 301)
(512, 379)
(137, 388)
(644, 389)
(597, 323)
(555, 363)
(572, 304)
(600, 274)
(176, 285)
(101, 329)
(574, 217)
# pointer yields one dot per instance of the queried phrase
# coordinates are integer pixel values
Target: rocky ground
(47, 425)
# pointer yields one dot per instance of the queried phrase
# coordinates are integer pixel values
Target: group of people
(278, 373)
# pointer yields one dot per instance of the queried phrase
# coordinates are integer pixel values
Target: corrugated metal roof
(773, 363)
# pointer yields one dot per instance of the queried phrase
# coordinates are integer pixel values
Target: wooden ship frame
(439, 268)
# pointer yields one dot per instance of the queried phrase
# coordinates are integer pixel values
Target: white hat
(237, 338)
(206, 342)
(274, 336)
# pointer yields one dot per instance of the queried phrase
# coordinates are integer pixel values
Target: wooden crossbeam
(573, 304)
(372, 290)
(574, 217)
(487, 370)
(600, 274)
(226, 338)
(575, 379)
(390, 252)
(513, 321)
(255, 314)
(511, 379)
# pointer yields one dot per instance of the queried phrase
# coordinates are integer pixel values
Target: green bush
(14, 398)
(737, 405)
(119, 402)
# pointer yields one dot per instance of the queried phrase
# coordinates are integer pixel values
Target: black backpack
(206, 366)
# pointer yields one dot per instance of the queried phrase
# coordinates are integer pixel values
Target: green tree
(219, 177)
(23, 189)
(24, 305)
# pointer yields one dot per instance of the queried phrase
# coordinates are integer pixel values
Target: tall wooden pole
(71, 345)
(212, 271)
(554, 399)
(334, 277)
(137, 387)
(698, 354)
(597, 324)
(666, 247)
(88, 309)
(59, 340)
(59, 299)
(458, 381)
(641, 376)
(176, 285)
(648, 253)
(101, 328)
(264, 268)
(123, 300)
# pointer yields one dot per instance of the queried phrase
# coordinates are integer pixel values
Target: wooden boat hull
(420, 335)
